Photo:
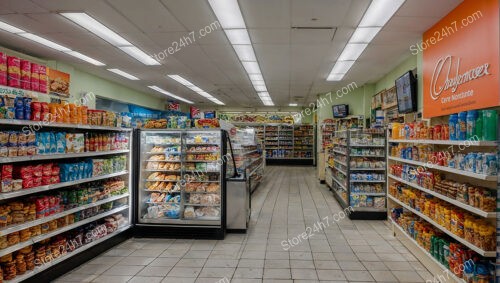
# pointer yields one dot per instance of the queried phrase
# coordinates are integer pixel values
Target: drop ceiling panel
(329, 13)
(193, 14)
(20, 6)
(311, 36)
(270, 36)
(274, 61)
(421, 8)
(411, 24)
(265, 13)
(148, 16)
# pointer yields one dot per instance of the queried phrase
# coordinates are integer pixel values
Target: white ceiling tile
(421, 8)
(312, 36)
(270, 36)
(328, 13)
(266, 14)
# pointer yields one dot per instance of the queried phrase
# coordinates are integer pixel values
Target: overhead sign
(461, 60)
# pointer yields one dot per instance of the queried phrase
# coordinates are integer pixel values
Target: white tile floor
(289, 200)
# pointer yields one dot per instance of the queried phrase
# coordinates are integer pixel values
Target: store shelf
(464, 206)
(186, 221)
(168, 181)
(340, 170)
(199, 161)
(425, 251)
(445, 169)
(367, 145)
(28, 274)
(201, 152)
(61, 230)
(164, 153)
(443, 229)
(168, 161)
(367, 169)
(369, 209)
(4, 196)
(339, 152)
(368, 156)
(448, 142)
(367, 181)
(368, 194)
(199, 204)
(339, 183)
(46, 124)
(18, 227)
(161, 170)
(60, 156)
(340, 162)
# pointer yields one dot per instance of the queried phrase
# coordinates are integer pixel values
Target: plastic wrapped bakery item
(210, 199)
(195, 198)
(189, 212)
(212, 188)
(172, 210)
(207, 211)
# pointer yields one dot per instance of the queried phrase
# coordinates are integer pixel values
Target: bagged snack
(35, 76)
(26, 74)
(42, 79)
(60, 142)
(36, 111)
(14, 71)
(19, 108)
(3, 68)
(27, 108)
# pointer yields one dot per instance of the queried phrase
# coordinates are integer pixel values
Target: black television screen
(406, 92)
(340, 110)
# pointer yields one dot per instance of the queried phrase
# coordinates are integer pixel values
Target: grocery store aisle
(289, 201)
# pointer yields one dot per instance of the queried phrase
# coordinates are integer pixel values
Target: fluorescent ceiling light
(364, 35)
(244, 52)
(85, 58)
(110, 36)
(293, 104)
(97, 28)
(169, 94)
(335, 77)
(380, 12)
(9, 28)
(238, 36)
(256, 83)
(228, 13)
(45, 42)
(256, 77)
(352, 51)
(267, 103)
(124, 74)
(251, 67)
(341, 67)
(198, 90)
(260, 88)
(139, 55)
(181, 80)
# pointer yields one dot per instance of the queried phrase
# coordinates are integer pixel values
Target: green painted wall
(358, 99)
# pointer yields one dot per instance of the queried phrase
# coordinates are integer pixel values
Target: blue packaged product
(60, 142)
(39, 142)
(453, 126)
(19, 108)
(479, 163)
(490, 164)
(470, 162)
(461, 129)
(27, 108)
(81, 170)
(471, 123)
(52, 142)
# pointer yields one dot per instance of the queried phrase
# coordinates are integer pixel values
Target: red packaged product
(52, 204)
(7, 172)
(40, 208)
(24, 172)
(55, 170)
(26, 74)
(44, 115)
(27, 183)
(46, 180)
(37, 181)
(47, 205)
(55, 179)
(14, 71)
(47, 169)
(42, 71)
(3, 68)
(38, 170)
(35, 77)
(36, 111)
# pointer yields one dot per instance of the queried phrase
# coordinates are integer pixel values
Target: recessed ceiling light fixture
(43, 41)
(160, 90)
(293, 104)
(230, 18)
(196, 89)
(102, 31)
(376, 16)
(124, 74)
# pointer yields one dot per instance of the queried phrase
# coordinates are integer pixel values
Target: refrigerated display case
(180, 186)
(243, 177)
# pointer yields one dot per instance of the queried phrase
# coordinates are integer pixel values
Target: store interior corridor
(287, 202)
